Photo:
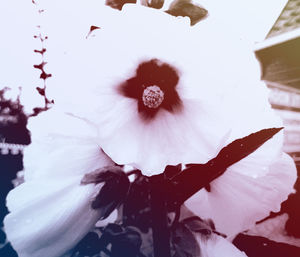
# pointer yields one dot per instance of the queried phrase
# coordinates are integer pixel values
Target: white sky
(251, 19)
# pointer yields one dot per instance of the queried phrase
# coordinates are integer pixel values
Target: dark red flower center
(154, 87)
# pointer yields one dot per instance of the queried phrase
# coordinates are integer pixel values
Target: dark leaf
(40, 66)
(241, 148)
(196, 224)
(40, 51)
(8, 251)
(198, 176)
(111, 196)
(2, 237)
(102, 175)
(49, 101)
(125, 241)
(171, 171)
(184, 242)
(113, 192)
(45, 75)
(106, 209)
(38, 110)
(136, 209)
(41, 91)
(92, 28)
(111, 231)
(88, 246)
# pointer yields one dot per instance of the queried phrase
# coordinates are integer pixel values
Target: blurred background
(273, 27)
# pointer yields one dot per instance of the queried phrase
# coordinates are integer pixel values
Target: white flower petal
(178, 136)
(217, 246)
(49, 217)
(66, 146)
(51, 212)
(237, 200)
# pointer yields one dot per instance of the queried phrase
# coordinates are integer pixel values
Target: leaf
(88, 246)
(125, 241)
(111, 195)
(40, 51)
(111, 231)
(101, 175)
(196, 224)
(241, 148)
(45, 75)
(198, 176)
(38, 110)
(41, 90)
(170, 170)
(113, 192)
(128, 242)
(39, 66)
(92, 28)
(184, 242)
(136, 208)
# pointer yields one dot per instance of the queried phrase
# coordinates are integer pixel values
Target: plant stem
(160, 229)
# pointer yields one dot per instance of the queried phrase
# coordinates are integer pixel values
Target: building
(279, 55)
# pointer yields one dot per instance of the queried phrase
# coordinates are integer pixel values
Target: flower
(51, 211)
(163, 93)
(150, 91)
(116, 81)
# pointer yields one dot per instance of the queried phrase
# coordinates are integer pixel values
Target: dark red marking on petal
(150, 73)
